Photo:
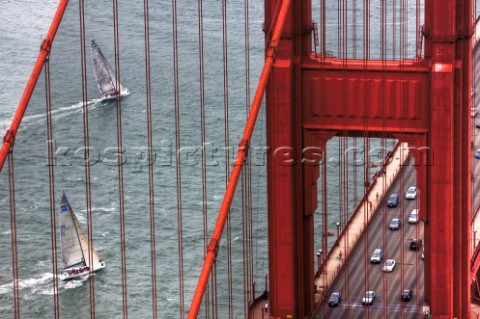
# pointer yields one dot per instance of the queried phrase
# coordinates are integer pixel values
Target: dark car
(393, 200)
(335, 299)
(415, 244)
(477, 125)
(407, 295)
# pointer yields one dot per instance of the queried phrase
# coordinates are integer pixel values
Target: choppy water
(31, 179)
(20, 38)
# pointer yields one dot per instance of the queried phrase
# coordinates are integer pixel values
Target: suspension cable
(121, 193)
(203, 141)
(13, 232)
(366, 57)
(51, 183)
(9, 138)
(86, 146)
(177, 157)
(241, 154)
(151, 188)
(248, 181)
(226, 110)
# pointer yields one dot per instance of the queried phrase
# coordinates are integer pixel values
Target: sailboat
(105, 76)
(77, 258)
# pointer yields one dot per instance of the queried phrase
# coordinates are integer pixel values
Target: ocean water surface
(33, 229)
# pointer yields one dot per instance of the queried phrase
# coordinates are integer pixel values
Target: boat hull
(77, 272)
(106, 97)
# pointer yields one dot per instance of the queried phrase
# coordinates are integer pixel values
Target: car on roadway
(411, 193)
(414, 215)
(393, 200)
(477, 125)
(407, 294)
(415, 244)
(477, 153)
(395, 224)
(389, 265)
(335, 299)
(368, 298)
(377, 256)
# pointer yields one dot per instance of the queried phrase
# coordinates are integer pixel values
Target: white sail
(105, 76)
(74, 244)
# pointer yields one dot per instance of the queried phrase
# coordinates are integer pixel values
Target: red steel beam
(214, 244)
(448, 45)
(9, 137)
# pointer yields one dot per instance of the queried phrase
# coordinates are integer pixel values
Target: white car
(411, 193)
(413, 217)
(389, 265)
(377, 256)
(474, 111)
(368, 298)
(395, 224)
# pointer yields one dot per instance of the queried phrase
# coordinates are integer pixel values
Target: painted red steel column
(448, 46)
(291, 264)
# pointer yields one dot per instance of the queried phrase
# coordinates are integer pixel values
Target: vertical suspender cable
(254, 249)
(9, 138)
(86, 145)
(323, 175)
(322, 169)
(323, 27)
(226, 122)
(341, 135)
(366, 56)
(354, 56)
(245, 244)
(151, 187)
(120, 162)
(383, 46)
(177, 157)
(241, 154)
(354, 30)
(343, 144)
(203, 142)
(420, 158)
(394, 29)
(51, 183)
(398, 52)
(13, 232)
(248, 173)
(403, 56)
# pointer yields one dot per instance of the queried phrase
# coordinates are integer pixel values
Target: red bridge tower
(425, 102)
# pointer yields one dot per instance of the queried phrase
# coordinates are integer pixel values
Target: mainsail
(73, 240)
(105, 76)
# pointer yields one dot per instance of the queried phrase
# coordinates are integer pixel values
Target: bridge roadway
(408, 273)
(359, 275)
(354, 229)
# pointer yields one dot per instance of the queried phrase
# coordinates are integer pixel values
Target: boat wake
(74, 283)
(33, 285)
(57, 114)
